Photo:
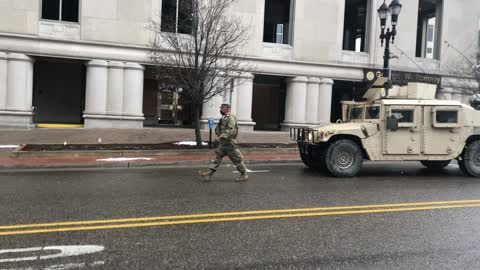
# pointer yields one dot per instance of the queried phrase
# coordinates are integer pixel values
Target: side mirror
(392, 123)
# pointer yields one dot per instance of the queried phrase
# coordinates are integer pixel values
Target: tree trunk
(198, 135)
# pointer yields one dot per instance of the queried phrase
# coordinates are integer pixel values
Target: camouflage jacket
(227, 129)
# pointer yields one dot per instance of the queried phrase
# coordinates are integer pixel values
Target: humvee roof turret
(410, 125)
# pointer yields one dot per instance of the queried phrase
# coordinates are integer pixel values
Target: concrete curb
(18, 153)
(132, 165)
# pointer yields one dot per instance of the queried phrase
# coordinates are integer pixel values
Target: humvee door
(406, 140)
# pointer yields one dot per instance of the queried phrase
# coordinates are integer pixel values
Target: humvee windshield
(373, 112)
(356, 112)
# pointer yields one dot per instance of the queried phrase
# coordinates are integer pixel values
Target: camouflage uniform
(227, 131)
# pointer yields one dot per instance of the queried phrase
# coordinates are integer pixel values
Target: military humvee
(409, 125)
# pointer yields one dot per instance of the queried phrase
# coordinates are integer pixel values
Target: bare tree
(465, 70)
(198, 51)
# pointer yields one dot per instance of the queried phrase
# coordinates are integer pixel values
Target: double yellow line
(90, 225)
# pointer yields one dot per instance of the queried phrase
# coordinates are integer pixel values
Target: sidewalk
(11, 160)
(123, 136)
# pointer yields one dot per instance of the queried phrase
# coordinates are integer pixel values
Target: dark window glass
(185, 16)
(356, 113)
(403, 116)
(169, 15)
(51, 10)
(70, 10)
(373, 112)
(427, 26)
(277, 21)
(355, 25)
(447, 117)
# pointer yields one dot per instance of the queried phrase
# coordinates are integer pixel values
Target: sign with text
(375, 77)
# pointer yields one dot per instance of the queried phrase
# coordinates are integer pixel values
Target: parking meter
(210, 126)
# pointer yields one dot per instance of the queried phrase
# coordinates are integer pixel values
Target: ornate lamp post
(384, 11)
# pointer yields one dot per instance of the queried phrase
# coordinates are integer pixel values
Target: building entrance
(268, 108)
(58, 91)
(165, 107)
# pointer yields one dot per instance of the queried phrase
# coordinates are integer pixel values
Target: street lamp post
(384, 11)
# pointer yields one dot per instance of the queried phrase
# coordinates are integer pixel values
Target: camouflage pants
(233, 153)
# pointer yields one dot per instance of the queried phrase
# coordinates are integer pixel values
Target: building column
(96, 90)
(16, 90)
(116, 72)
(295, 103)
(311, 109)
(325, 101)
(133, 95)
(211, 109)
(243, 102)
(114, 95)
(3, 81)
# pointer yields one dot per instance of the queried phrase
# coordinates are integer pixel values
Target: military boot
(206, 176)
(243, 178)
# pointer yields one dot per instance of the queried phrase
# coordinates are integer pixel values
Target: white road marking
(124, 159)
(64, 266)
(250, 171)
(65, 251)
(8, 146)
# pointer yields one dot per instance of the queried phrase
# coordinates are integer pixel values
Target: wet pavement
(392, 216)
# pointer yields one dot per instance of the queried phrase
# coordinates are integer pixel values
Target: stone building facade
(83, 61)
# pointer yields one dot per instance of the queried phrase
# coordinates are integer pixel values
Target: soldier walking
(227, 131)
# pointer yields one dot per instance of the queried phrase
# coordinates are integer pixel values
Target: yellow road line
(59, 126)
(241, 218)
(257, 212)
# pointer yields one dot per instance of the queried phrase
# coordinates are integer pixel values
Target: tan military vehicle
(409, 125)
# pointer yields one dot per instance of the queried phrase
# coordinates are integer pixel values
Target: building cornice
(89, 50)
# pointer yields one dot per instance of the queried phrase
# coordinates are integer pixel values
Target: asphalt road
(286, 217)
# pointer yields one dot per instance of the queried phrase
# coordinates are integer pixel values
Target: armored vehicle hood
(362, 130)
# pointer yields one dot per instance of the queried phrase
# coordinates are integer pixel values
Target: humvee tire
(470, 162)
(344, 158)
(435, 164)
(315, 160)
(306, 160)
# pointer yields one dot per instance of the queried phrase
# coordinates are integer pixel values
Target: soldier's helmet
(475, 101)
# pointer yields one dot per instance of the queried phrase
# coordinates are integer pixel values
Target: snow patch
(190, 143)
(124, 159)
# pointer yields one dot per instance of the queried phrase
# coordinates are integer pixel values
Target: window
(428, 29)
(403, 116)
(356, 113)
(177, 16)
(446, 117)
(60, 10)
(355, 25)
(373, 112)
(277, 21)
